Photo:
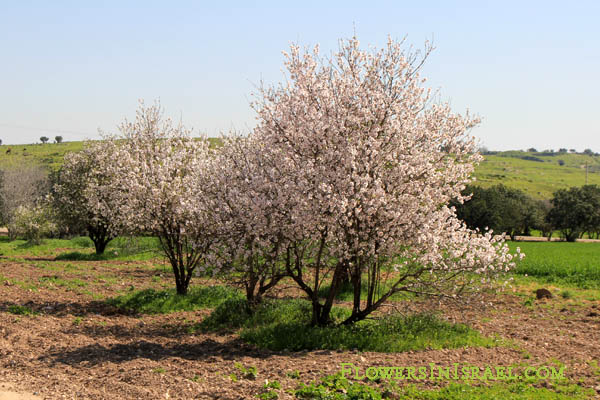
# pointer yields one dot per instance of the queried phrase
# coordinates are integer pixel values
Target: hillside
(539, 174)
(49, 155)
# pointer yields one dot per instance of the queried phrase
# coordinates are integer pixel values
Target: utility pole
(586, 172)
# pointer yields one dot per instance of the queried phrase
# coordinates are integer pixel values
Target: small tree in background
(575, 211)
(58, 139)
(79, 197)
(32, 223)
(44, 139)
(24, 186)
(372, 165)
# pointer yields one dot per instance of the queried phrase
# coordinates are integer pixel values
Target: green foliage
(576, 264)
(247, 372)
(514, 391)
(575, 211)
(500, 208)
(152, 301)
(566, 294)
(21, 310)
(284, 324)
(32, 223)
(336, 387)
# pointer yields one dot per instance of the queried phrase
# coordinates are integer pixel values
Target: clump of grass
(151, 301)
(21, 310)
(566, 294)
(285, 325)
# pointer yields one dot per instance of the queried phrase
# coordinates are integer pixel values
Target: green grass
(336, 387)
(514, 391)
(21, 310)
(284, 325)
(152, 301)
(48, 155)
(538, 179)
(82, 249)
(574, 264)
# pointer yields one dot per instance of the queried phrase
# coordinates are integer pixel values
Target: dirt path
(7, 392)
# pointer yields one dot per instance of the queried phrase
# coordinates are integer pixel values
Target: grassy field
(571, 264)
(49, 155)
(538, 178)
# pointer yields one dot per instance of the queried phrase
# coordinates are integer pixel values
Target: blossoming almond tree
(160, 178)
(79, 196)
(373, 162)
(249, 204)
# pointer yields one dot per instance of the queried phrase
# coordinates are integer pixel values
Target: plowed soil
(77, 347)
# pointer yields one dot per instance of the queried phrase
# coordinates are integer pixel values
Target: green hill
(48, 155)
(539, 174)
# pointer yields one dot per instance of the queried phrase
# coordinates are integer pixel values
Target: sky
(530, 69)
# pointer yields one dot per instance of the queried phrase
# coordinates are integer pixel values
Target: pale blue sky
(529, 70)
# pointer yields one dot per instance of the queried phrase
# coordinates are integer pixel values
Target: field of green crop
(573, 264)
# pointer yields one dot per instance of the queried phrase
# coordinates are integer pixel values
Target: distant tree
(501, 209)
(562, 150)
(572, 151)
(545, 227)
(589, 152)
(44, 139)
(0, 142)
(591, 196)
(58, 139)
(532, 150)
(575, 211)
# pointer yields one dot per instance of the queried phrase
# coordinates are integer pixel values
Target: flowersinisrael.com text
(455, 371)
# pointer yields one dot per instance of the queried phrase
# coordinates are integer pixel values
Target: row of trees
(57, 139)
(573, 212)
(347, 177)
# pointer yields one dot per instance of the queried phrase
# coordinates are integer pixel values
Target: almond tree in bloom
(248, 203)
(160, 178)
(79, 198)
(372, 162)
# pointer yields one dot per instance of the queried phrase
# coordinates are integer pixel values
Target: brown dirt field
(77, 347)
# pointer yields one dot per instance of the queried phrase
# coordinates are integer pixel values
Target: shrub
(32, 223)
